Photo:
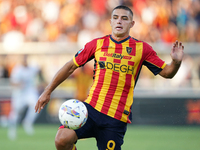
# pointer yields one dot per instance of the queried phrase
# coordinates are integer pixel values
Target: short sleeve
(154, 63)
(85, 54)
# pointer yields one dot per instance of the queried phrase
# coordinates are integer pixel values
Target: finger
(176, 43)
(41, 107)
(173, 47)
(180, 44)
(36, 107)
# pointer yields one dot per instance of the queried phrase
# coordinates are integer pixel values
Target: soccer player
(24, 94)
(118, 60)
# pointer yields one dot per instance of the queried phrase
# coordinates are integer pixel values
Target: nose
(119, 21)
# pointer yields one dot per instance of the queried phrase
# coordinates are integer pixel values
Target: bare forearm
(61, 75)
(171, 69)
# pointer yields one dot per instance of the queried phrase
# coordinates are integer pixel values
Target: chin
(119, 34)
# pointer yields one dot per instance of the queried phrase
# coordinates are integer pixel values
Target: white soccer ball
(73, 114)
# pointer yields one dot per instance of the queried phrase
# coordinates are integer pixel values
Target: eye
(125, 18)
(115, 17)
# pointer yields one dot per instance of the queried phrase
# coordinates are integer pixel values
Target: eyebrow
(118, 15)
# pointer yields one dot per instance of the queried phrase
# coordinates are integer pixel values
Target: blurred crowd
(79, 21)
(82, 20)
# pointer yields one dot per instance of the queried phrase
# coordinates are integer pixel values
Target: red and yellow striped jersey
(116, 69)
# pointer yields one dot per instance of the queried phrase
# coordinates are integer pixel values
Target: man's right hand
(42, 101)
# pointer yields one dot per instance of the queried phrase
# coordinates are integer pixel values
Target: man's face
(121, 22)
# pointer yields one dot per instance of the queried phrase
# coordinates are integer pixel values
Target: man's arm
(60, 76)
(177, 56)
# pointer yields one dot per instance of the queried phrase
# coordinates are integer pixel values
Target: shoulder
(103, 37)
(93, 43)
(17, 68)
(17, 71)
(139, 41)
(134, 39)
(34, 68)
(100, 38)
(146, 46)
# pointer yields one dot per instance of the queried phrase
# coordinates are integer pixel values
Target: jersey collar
(121, 41)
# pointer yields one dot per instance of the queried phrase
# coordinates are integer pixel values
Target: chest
(119, 54)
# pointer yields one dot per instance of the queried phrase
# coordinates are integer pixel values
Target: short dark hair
(123, 7)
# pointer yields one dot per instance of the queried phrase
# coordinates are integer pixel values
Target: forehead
(121, 12)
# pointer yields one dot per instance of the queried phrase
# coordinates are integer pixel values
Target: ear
(110, 21)
(132, 23)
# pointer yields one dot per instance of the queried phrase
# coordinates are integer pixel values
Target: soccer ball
(73, 114)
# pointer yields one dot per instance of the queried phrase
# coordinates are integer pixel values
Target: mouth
(119, 28)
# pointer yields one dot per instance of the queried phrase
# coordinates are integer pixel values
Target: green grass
(137, 138)
(162, 138)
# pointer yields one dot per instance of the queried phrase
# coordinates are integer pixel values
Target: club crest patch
(128, 50)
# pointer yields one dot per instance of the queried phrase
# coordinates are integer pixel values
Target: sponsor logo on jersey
(116, 67)
(115, 55)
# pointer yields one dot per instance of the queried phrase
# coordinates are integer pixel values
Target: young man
(118, 60)
(24, 94)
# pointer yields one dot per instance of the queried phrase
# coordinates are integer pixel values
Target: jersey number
(111, 145)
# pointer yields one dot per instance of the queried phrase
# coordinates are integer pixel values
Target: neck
(117, 38)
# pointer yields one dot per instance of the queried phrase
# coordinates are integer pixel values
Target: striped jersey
(116, 70)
